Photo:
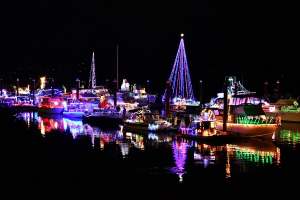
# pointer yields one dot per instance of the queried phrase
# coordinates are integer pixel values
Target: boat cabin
(244, 99)
(200, 128)
(50, 102)
(248, 114)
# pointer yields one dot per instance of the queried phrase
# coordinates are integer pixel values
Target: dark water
(71, 160)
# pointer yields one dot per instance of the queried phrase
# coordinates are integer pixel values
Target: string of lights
(92, 80)
(180, 75)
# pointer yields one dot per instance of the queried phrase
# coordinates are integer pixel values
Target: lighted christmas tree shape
(92, 80)
(180, 75)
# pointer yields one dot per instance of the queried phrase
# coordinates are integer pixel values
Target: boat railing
(107, 113)
(77, 110)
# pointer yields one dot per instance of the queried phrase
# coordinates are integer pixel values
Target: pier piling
(33, 91)
(167, 99)
(77, 88)
(225, 114)
(200, 92)
(115, 93)
(17, 87)
(52, 87)
(278, 94)
(1, 86)
(235, 88)
(148, 87)
(266, 89)
(148, 94)
(171, 92)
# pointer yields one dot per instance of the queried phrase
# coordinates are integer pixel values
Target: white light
(182, 35)
(272, 109)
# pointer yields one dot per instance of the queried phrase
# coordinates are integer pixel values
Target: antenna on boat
(117, 69)
(242, 78)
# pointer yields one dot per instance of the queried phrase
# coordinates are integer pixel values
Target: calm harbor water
(80, 159)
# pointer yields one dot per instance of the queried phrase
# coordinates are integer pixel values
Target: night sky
(256, 41)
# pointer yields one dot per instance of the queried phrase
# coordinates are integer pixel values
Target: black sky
(259, 39)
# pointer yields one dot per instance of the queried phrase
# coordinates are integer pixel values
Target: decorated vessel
(146, 121)
(53, 105)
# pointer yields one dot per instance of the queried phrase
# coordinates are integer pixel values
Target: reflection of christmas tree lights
(179, 151)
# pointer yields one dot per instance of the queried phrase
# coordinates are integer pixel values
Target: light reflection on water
(179, 153)
(233, 158)
(288, 134)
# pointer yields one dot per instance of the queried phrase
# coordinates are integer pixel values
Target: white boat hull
(285, 116)
(50, 110)
(73, 114)
(144, 127)
(249, 130)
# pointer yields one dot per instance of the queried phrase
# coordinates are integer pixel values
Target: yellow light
(42, 82)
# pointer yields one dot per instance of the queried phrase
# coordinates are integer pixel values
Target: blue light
(153, 127)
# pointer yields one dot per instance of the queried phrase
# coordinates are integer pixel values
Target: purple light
(180, 76)
(179, 153)
(92, 81)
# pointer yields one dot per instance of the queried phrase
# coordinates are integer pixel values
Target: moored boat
(104, 117)
(75, 110)
(247, 119)
(286, 109)
(146, 121)
(53, 105)
(18, 103)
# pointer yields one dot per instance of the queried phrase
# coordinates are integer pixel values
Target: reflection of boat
(248, 151)
(254, 150)
(103, 117)
(146, 121)
(50, 105)
(288, 135)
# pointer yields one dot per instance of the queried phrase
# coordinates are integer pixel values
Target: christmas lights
(180, 76)
(92, 80)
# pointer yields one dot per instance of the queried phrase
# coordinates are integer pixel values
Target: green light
(267, 119)
(271, 119)
(230, 79)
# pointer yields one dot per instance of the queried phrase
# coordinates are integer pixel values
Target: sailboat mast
(117, 69)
